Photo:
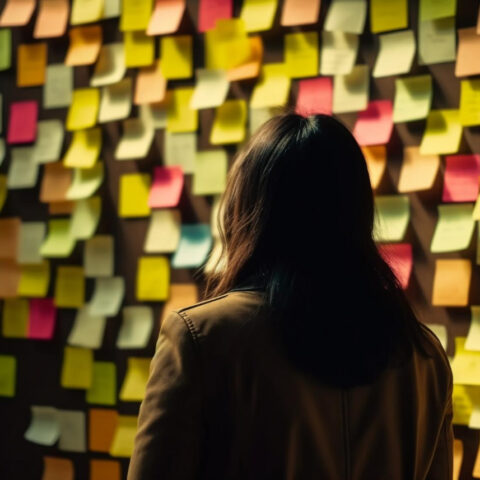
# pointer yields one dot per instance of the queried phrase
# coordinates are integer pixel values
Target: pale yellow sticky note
(418, 171)
(116, 101)
(472, 341)
(86, 11)
(176, 53)
(451, 283)
(83, 109)
(15, 316)
(470, 102)
(163, 232)
(301, 54)
(30, 240)
(443, 132)
(210, 172)
(69, 287)
(87, 330)
(229, 124)
(85, 217)
(139, 49)
(465, 364)
(258, 14)
(31, 64)
(110, 67)
(273, 87)
(339, 52)
(77, 368)
(85, 44)
(463, 398)
(153, 279)
(85, 181)
(436, 41)
(124, 436)
(392, 214)
(134, 192)
(395, 54)
(346, 16)
(351, 92)
(454, 228)
(59, 242)
(57, 91)
(136, 139)
(180, 149)
(34, 280)
(180, 117)
(211, 88)
(98, 258)
(391, 15)
(413, 97)
(135, 14)
(376, 159)
(84, 148)
(135, 381)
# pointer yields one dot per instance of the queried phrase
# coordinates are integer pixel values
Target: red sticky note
(374, 125)
(460, 181)
(22, 122)
(209, 11)
(166, 187)
(400, 259)
(41, 322)
(314, 96)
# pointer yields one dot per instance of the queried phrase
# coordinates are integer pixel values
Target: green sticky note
(433, 9)
(392, 214)
(103, 390)
(8, 372)
(5, 48)
(413, 97)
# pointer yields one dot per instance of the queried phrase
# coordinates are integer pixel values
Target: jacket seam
(191, 328)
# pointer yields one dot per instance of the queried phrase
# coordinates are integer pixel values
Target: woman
(305, 361)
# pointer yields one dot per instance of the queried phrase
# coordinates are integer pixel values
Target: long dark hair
(296, 219)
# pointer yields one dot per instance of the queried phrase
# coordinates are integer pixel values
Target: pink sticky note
(41, 322)
(400, 259)
(22, 122)
(374, 125)
(314, 96)
(460, 181)
(167, 187)
(209, 11)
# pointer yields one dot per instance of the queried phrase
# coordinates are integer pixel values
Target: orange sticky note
(17, 13)
(61, 208)
(400, 259)
(376, 159)
(299, 12)
(31, 64)
(10, 273)
(85, 43)
(151, 85)
(468, 58)
(57, 468)
(105, 470)
(181, 295)
(375, 124)
(102, 423)
(9, 237)
(52, 18)
(418, 171)
(250, 68)
(55, 182)
(451, 282)
(166, 17)
(314, 96)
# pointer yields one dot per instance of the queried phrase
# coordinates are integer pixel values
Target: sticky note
(107, 296)
(432, 9)
(124, 437)
(395, 54)
(436, 41)
(315, 95)
(339, 52)
(163, 232)
(116, 101)
(49, 141)
(229, 123)
(177, 56)
(301, 54)
(110, 67)
(470, 102)
(139, 49)
(85, 217)
(194, 246)
(58, 88)
(23, 170)
(86, 181)
(84, 149)
(180, 117)
(392, 214)
(133, 193)
(5, 48)
(69, 287)
(34, 280)
(135, 14)
(167, 187)
(72, 431)
(181, 294)
(52, 18)
(22, 124)
(211, 88)
(87, 330)
(17, 12)
(443, 132)
(31, 64)
(15, 322)
(9, 278)
(77, 368)
(9, 238)
(153, 278)
(135, 381)
(54, 467)
(103, 390)
(86, 12)
(155, 113)
(273, 87)
(41, 318)
(180, 149)
(136, 328)
(56, 181)
(351, 91)
(211, 10)
(418, 171)
(31, 236)
(413, 97)
(105, 470)
(8, 375)
(44, 428)
(468, 60)
(111, 8)
(374, 125)
(84, 109)
(3, 190)
(472, 342)
(464, 365)
(400, 259)
(384, 16)
(299, 12)
(98, 259)
(258, 14)
(102, 423)
(345, 16)
(376, 159)
(460, 181)
(151, 85)
(451, 282)
(210, 175)
(136, 139)
(250, 68)
(59, 242)
(85, 43)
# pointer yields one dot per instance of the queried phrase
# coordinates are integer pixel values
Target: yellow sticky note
(413, 97)
(135, 381)
(258, 14)
(3, 190)
(391, 15)
(376, 159)
(433, 9)
(462, 404)
(153, 278)
(451, 282)
(31, 64)
(15, 316)
(139, 49)
(180, 117)
(135, 14)
(124, 436)
(83, 110)
(8, 375)
(86, 11)
(470, 102)
(34, 279)
(392, 214)
(77, 368)
(442, 134)
(103, 390)
(176, 54)
(301, 54)
(133, 192)
(229, 124)
(465, 364)
(418, 171)
(69, 287)
(84, 148)
(210, 172)
(273, 87)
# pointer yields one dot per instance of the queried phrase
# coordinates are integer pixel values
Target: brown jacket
(216, 408)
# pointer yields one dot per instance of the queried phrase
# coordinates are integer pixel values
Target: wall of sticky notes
(119, 121)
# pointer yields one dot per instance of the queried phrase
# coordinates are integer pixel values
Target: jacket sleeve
(168, 438)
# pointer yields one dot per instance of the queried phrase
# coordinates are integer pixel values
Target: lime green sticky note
(77, 368)
(103, 390)
(176, 52)
(454, 228)
(59, 242)
(392, 214)
(135, 381)
(15, 317)
(8, 374)
(470, 102)
(433, 9)
(5, 48)
(413, 97)
(385, 16)
(85, 217)
(443, 133)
